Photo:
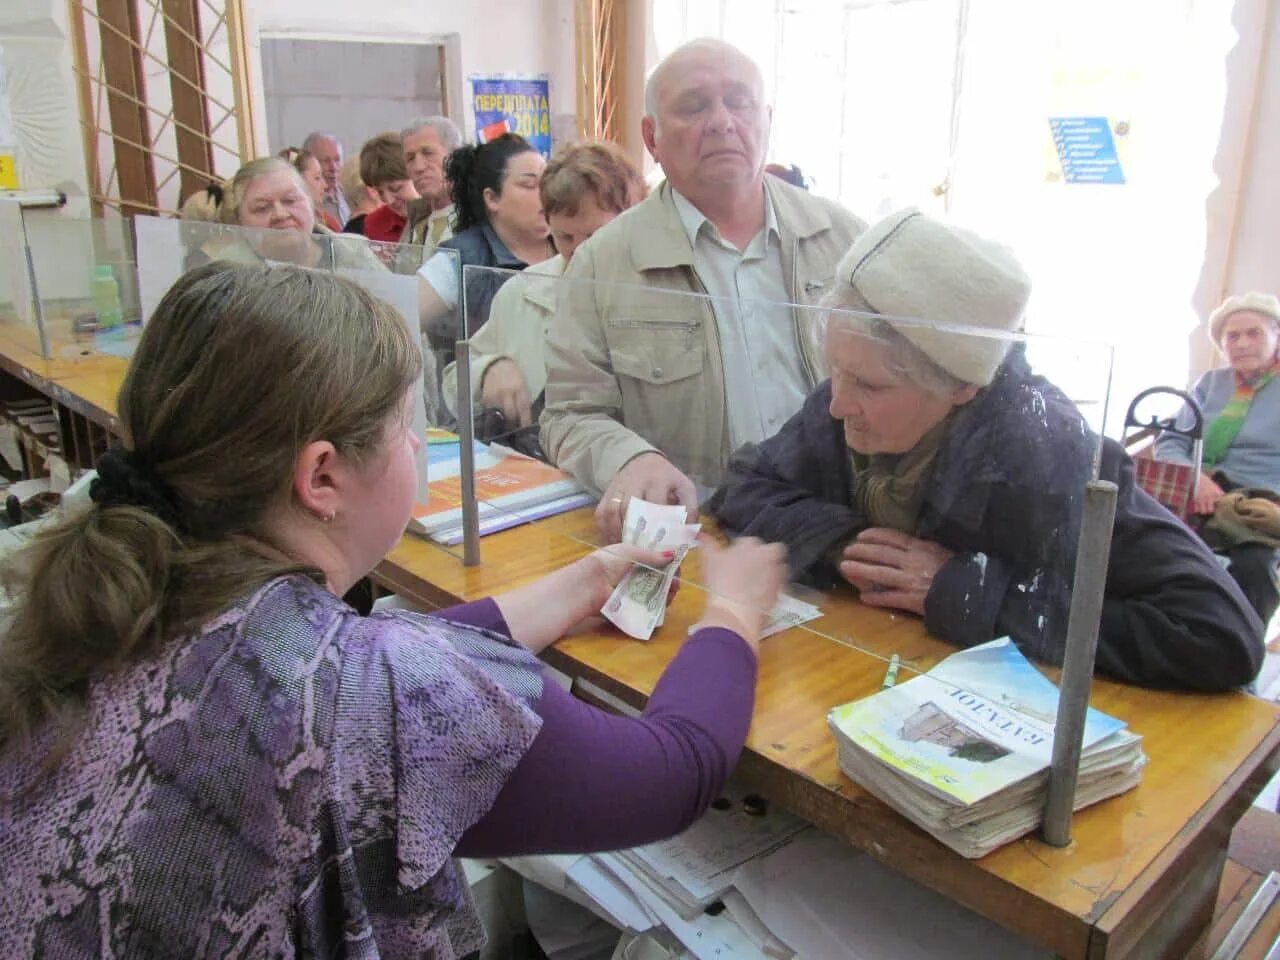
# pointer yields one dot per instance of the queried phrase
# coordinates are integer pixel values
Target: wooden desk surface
(1209, 755)
(87, 381)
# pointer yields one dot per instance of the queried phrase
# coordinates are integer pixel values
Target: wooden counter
(1139, 879)
(1141, 874)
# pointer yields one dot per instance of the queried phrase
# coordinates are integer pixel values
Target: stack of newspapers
(964, 750)
(752, 882)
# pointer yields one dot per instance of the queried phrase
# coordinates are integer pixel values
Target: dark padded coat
(1005, 493)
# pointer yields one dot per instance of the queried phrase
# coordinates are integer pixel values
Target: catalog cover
(505, 482)
(979, 721)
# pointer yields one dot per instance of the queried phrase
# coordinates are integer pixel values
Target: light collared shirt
(764, 377)
(439, 228)
(335, 204)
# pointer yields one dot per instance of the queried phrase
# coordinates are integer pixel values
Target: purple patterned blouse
(290, 781)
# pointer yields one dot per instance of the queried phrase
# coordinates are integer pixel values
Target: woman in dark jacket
(499, 224)
(936, 474)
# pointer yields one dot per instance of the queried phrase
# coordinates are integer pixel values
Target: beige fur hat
(1263, 303)
(911, 266)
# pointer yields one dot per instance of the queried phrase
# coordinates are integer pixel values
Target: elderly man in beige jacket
(665, 355)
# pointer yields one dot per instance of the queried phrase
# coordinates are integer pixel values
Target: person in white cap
(938, 475)
(1241, 406)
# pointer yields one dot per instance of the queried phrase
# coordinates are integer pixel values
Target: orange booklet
(505, 482)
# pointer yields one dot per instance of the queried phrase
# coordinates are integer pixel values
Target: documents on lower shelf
(510, 489)
(964, 750)
(745, 884)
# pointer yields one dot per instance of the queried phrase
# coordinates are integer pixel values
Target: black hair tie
(127, 480)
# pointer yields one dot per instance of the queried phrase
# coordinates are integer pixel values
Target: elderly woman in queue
(204, 751)
(938, 475)
(1241, 407)
(584, 187)
(268, 195)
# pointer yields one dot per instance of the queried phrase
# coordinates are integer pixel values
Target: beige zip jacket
(633, 356)
(516, 330)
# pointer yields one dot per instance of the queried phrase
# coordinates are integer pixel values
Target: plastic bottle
(106, 297)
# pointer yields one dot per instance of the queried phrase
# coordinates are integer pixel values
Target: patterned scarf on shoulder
(1227, 424)
(888, 488)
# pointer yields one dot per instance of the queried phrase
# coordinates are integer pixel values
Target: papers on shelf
(770, 888)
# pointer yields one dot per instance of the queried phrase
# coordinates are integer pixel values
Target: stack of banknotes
(638, 603)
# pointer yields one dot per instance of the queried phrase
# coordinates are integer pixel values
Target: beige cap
(1263, 303)
(910, 266)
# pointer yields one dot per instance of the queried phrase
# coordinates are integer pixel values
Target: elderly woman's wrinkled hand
(1208, 493)
(892, 569)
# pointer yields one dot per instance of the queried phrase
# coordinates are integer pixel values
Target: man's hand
(892, 569)
(1208, 493)
(504, 387)
(650, 476)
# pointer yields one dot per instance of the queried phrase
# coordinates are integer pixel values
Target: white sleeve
(441, 271)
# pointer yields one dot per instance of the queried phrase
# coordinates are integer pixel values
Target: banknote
(638, 603)
(788, 612)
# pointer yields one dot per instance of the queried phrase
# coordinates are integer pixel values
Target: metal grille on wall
(164, 102)
(600, 43)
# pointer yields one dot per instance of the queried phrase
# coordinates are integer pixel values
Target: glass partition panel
(879, 450)
(17, 298)
(927, 480)
(85, 286)
(169, 248)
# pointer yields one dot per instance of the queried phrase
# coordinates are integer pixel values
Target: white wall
(492, 36)
(43, 99)
(1242, 249)
(351, 89)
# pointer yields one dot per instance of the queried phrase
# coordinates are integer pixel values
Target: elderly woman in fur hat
(935, 473)
(1241, 406)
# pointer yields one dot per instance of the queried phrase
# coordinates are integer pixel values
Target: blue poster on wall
(1086, 150)
(513, 104)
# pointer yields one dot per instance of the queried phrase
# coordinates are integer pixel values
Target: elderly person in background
(308, 168)
(1241, 406)
(200, 242)
(635, 377)
(327, 149)
(938, 475)
(427, 142)
(269, 195)
(382, 167)
(361, 198)
(584, 187)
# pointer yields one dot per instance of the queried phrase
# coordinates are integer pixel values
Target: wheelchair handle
(1167, 424)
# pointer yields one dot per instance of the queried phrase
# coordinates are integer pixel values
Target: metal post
(1092, 555)
(466, 436)
(35, 286)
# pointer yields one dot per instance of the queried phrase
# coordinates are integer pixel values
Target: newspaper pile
(964, 750)
(752, 882)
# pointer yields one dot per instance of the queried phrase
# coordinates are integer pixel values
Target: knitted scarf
(888, 488)
(1226, 425)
